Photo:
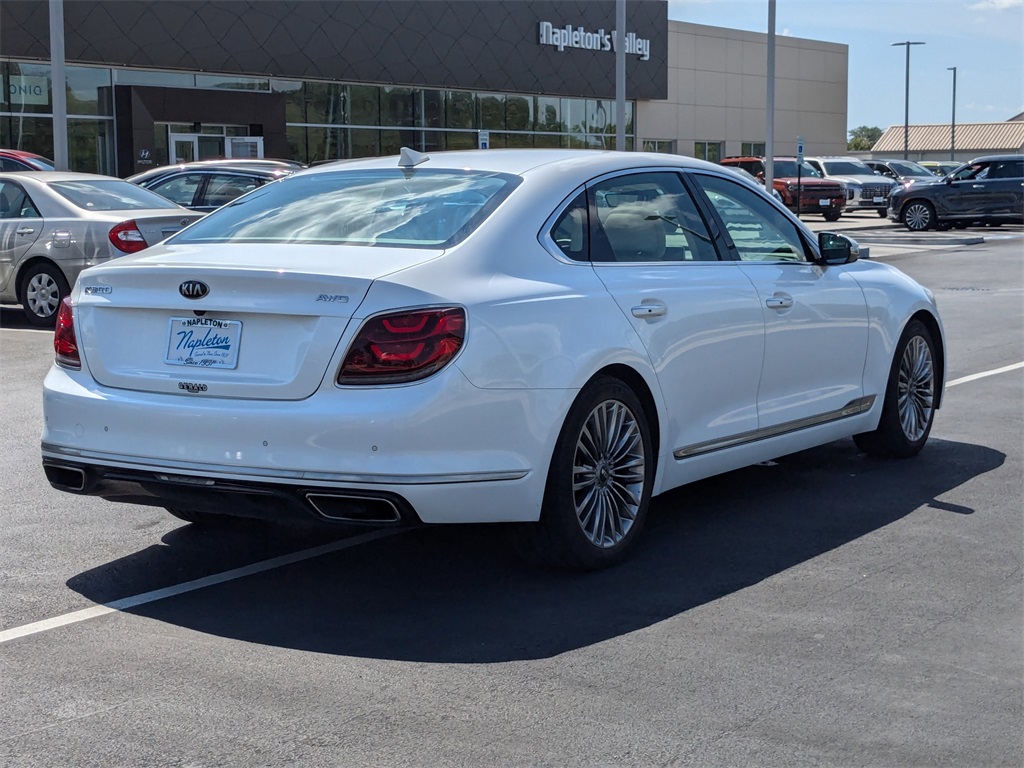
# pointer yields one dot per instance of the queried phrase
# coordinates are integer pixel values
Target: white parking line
(190, 586)
(983, 374)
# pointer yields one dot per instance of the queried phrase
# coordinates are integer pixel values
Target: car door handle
(977, 186)
(649, 310)
(779, 302)
(25, 231)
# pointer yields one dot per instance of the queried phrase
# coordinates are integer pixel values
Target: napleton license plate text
(203, 342)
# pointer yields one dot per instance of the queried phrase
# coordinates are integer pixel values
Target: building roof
(970, 137)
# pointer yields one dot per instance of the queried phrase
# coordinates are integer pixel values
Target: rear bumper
(237, 498)
(442, 451)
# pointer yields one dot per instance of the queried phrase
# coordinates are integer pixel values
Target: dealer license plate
(825, 202)
(203, 342)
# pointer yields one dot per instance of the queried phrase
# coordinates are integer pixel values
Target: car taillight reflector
(404, 346)
(65, 345)
(126, 237)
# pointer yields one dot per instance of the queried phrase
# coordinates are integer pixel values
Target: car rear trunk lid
(227, 321)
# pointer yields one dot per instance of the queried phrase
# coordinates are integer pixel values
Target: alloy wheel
(918, 217)
(608, 473)
(916, 388)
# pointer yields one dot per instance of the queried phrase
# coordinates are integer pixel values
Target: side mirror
(835, 249)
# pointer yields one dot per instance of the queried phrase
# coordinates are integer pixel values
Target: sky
(983, 39)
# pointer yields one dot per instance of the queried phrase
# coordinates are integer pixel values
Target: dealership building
(149, 83)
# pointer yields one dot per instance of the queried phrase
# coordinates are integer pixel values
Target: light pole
(952, 124)
(906, 101)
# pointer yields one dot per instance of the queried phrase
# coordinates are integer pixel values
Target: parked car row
(816, 195)
(55, 224)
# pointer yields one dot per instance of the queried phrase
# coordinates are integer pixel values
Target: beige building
(717, 89)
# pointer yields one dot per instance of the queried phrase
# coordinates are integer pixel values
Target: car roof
(262, 168)
(48, 176)
(992, 158)
(523, 161)
(21, 153)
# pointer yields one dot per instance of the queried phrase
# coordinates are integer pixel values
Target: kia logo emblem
(193, 289)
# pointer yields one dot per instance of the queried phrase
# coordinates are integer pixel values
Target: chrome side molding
(852, 408)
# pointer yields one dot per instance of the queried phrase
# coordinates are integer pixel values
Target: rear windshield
(109, 195)
(385, 207)
(846, 168)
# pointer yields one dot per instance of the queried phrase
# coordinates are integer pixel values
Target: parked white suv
(866, 190)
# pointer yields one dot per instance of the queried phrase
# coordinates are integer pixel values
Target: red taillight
(404, 346)
(65, 345)
(126, 237)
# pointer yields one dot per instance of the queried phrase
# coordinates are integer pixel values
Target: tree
(863, 138)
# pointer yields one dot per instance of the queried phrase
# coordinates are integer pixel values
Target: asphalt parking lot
(821, 609)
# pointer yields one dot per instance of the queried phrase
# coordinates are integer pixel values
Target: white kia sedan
(538, 336)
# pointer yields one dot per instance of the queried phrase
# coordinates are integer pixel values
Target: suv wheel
(919, 216)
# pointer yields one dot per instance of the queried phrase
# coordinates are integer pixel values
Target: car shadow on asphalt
(460, 594)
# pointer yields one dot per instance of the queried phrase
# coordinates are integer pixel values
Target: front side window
(643, 217)
(759, 231)
(398, 208)
(112, 195)
(222, 188)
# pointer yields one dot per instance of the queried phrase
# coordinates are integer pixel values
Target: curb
(911, 240)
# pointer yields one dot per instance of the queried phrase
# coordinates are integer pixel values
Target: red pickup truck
(817, 195)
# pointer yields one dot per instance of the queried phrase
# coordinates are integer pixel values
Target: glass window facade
(325, 120)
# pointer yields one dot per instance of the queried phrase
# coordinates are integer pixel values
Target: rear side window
(109, 195)
(179, 189)
(385, 207)
(647, 217)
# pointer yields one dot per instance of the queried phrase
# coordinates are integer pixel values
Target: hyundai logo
(193, 289)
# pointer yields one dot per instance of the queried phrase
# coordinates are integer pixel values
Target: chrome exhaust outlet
(64, 477)
(345, 508)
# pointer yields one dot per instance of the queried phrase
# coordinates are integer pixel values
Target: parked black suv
(987, 190)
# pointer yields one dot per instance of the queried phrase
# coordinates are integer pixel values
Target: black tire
(882, 213)
(913, 379)
(197, 518)
(590, 518)
(43, 287)
(918, 215)
(832, 215)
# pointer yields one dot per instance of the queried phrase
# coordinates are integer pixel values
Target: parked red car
(17, 160)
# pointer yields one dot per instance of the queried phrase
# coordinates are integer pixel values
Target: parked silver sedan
(55, 224)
